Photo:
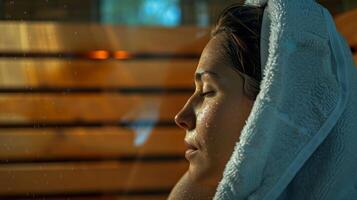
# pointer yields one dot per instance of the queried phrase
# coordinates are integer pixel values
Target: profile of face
(214, 115)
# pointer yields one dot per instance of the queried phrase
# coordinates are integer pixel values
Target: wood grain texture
(54, 37)
(101, 177)
(105, 197)
(110, 73)
(67, 107)
(89, 143)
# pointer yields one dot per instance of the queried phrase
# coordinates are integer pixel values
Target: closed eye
(209, 93)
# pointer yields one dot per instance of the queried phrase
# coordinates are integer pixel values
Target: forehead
(215, 57)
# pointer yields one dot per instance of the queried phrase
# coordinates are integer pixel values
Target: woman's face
(214, 115)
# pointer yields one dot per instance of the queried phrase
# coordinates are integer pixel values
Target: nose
(186, 117)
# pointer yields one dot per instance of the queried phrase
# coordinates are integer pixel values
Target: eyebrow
(199, 75)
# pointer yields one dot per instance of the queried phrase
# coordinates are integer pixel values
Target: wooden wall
(86, 111)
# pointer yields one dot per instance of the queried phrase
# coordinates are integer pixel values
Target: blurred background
(89, 90)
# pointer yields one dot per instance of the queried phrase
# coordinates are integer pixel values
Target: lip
(190, 145)
(191, 150)
(190, 153)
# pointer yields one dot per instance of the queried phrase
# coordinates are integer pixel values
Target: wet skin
(213, 118)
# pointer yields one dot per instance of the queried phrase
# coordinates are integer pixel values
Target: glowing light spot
(99, 55)
(122, 55)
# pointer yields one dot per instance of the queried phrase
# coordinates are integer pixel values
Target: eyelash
(206, 93)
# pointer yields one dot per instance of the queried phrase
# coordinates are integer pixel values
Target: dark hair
(241, 25)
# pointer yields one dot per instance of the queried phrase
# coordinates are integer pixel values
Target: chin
(203, 173)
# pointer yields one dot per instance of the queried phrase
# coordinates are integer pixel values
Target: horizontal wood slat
(33, 108)
(54, 37)
(104, 197)
(110, 73)
(102, 177)
(83, 143)
(101, 197)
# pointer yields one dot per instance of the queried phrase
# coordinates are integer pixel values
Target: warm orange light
(99, 55)
(121, 55)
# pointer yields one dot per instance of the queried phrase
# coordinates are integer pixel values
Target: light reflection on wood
(81, 73)
(55, 108)
(52, 37)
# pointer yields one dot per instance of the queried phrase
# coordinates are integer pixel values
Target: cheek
(217, 130)
(209, 123)
(218, 127)
(206, 118)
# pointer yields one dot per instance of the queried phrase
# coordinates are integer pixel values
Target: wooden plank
(69, 107)
(55, 37)
(101, 177)
(74, 143)
(110, 73)
(149, 197)
(103, 197)
(347, 26)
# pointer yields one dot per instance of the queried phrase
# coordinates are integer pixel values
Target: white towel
(300, 140)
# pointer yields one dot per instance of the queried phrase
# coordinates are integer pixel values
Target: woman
(227, 81)
(299, 136)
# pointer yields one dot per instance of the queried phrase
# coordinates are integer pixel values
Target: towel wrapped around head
(300, 139)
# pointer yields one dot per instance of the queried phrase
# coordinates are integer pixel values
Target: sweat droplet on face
(204, 112)
(205, 115)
